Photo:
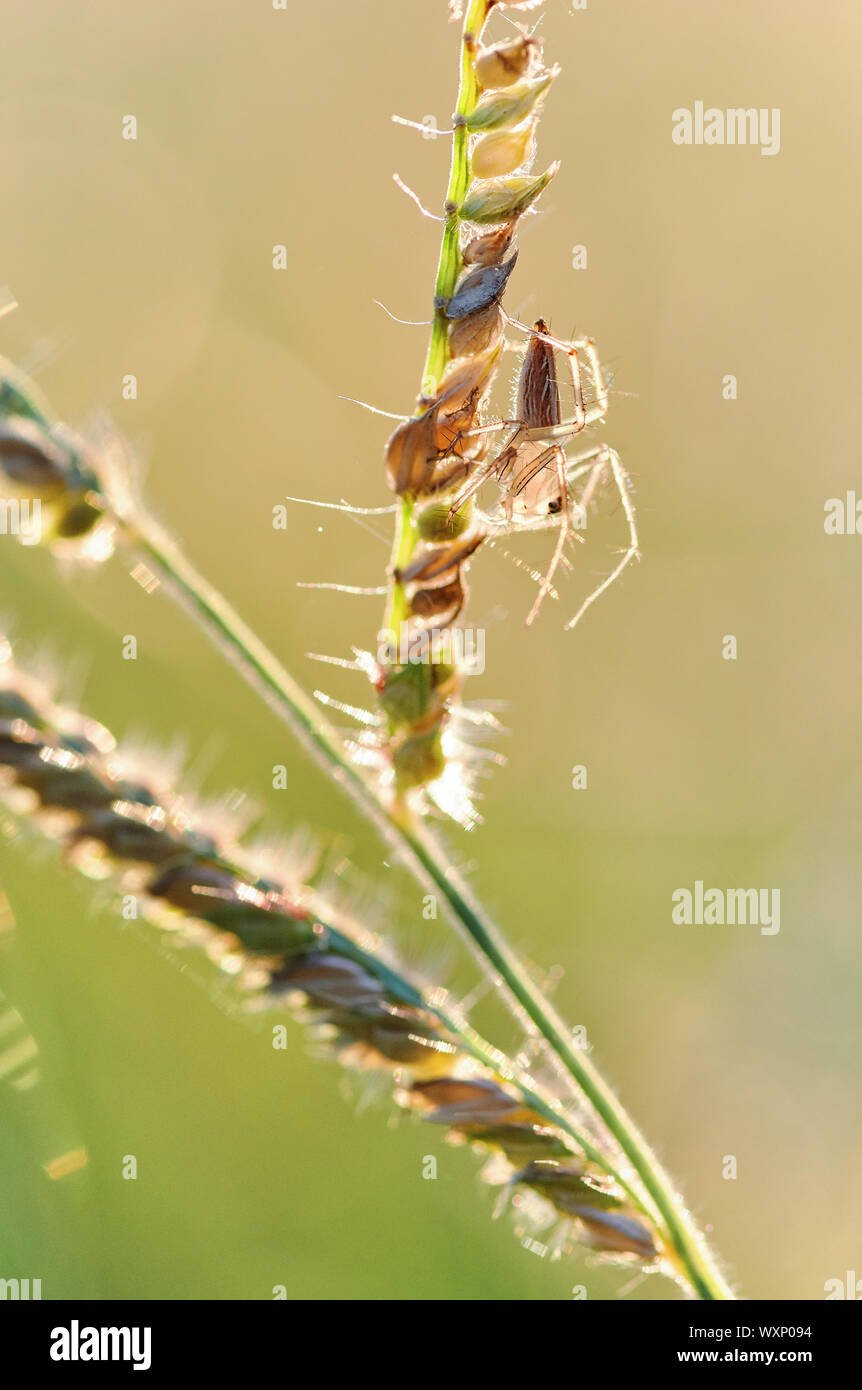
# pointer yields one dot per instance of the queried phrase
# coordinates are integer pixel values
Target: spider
(532, 466)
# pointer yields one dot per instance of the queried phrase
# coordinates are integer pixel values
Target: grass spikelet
(431, 455)
(445, 452)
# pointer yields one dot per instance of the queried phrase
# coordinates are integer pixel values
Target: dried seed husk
(520, 1142)
(565, 1185)
(412, 1041)
(504, 63)
(506, 109)
(414, 447)
(329, 980)
(192, 886)
(465, 384)
(476, 332)
(468, 1102)
(458, 441)
(616, 1232)
(411, 452)
(442, 599)
(502, 152)
(480, 288)
(603, 1224)
(440, 563)
(499, 200)
(451, 471)
(405, 1035)
(463, 1115)
(489, 247)
(465, 381)
(459, 1090)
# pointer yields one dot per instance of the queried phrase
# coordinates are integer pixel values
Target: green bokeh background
(259, 127)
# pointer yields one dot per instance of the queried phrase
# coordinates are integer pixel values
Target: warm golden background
(258, 127)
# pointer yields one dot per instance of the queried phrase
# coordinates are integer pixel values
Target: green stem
(449, 265)
(402, 550)
(448, 269)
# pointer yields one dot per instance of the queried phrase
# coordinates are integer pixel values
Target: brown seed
(441, 563)
(413, 448)
(603, 1224)
(476, 332)
(454, 1090)
(448, 473)
(479, 288)
(490, 247)
(334, 980)
(191, 887)
(464, 382)
(616, 1231)
(411, 452)
(446, 599)
(522, 1141)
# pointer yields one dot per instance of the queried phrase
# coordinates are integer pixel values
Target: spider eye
(554, 507)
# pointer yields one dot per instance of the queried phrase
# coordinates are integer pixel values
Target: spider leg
(481, 474)
(580, 420)
(581, 464)
(583, 415)
(472, 433)
(632, 551)
(595, 366)
(562, 536)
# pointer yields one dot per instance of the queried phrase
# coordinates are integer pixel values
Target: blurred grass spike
(285, 942)
(43, 463)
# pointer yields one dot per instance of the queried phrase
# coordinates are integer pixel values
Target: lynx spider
(538, 445)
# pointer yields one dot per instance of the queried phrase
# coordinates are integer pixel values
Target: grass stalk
(448, 268)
